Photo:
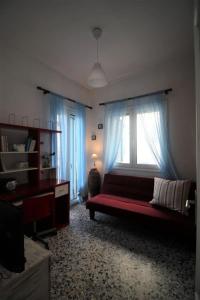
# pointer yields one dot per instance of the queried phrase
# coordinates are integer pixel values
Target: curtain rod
(45, 91)
(140, 96)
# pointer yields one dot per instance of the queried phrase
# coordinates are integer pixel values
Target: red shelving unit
(39, 184)
(34, 158)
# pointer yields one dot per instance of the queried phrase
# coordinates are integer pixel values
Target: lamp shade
(94, 155)
(97, 77)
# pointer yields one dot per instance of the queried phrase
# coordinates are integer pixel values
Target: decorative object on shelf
(97, 77)
(7, 184)
(19, 147)
(94, 178)
(11, 118)
(22, 165)
(100, 126)
(93, 137)
(46, 159)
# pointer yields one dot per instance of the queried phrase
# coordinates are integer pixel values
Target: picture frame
(100, 126)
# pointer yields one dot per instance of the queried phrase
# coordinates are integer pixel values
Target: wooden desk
(58, 190)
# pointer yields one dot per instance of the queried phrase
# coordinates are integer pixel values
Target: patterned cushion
(171, 194)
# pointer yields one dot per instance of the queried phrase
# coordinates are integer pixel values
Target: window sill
(141, 171)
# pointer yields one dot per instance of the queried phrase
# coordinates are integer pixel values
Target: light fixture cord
(97, 50)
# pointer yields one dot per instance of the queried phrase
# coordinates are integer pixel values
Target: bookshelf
(37, 189)
(17, 157)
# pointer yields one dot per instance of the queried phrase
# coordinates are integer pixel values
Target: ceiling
(137, 34)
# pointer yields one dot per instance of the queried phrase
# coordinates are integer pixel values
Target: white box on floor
(31, 284)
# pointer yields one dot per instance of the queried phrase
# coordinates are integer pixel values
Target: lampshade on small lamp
(94, 157)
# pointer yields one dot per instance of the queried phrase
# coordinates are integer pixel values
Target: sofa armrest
(191, 207)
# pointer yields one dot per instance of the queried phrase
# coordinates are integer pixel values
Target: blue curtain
(80, 153)
(113, 126)
(158, 140)
(59, 112)
(59, 118)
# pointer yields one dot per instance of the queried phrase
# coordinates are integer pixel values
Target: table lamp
(94, 178)
(94, 157)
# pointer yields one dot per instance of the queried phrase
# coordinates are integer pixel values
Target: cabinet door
(62, 205)
(38, 207)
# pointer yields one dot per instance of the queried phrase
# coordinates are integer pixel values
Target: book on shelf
(4, 143)
(32, 145)
(27, 144)
(6, 140)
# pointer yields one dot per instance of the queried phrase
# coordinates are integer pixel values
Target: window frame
(133, 165)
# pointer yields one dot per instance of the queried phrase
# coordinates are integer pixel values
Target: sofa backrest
(140, 188)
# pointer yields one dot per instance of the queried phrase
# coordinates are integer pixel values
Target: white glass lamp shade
(97, 77)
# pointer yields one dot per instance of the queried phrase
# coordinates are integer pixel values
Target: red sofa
(129, 196)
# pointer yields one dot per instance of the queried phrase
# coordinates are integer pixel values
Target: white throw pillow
(171, 194)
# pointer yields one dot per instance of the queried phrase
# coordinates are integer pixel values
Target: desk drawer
(61, 190)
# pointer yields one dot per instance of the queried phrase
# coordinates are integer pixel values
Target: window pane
(124, 151)
(147, 138)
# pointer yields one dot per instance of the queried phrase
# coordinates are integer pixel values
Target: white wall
(19, 76)
(176, 74)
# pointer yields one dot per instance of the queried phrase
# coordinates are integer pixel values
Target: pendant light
(97, 77)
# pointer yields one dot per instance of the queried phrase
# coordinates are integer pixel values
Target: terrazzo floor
(111, 259)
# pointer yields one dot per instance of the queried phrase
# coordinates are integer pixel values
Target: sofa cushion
(108, 200)
(132, 187)
(138, 207)
(171, 194)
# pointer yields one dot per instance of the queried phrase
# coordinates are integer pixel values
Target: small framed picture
(100, 126)
(93, 137)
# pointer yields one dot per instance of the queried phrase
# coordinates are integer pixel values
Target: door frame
(197, 95)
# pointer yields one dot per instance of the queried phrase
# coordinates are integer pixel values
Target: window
(145, 154)
(139, 141)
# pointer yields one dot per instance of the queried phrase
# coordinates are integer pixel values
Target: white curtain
(157, 139)
(113, 126)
